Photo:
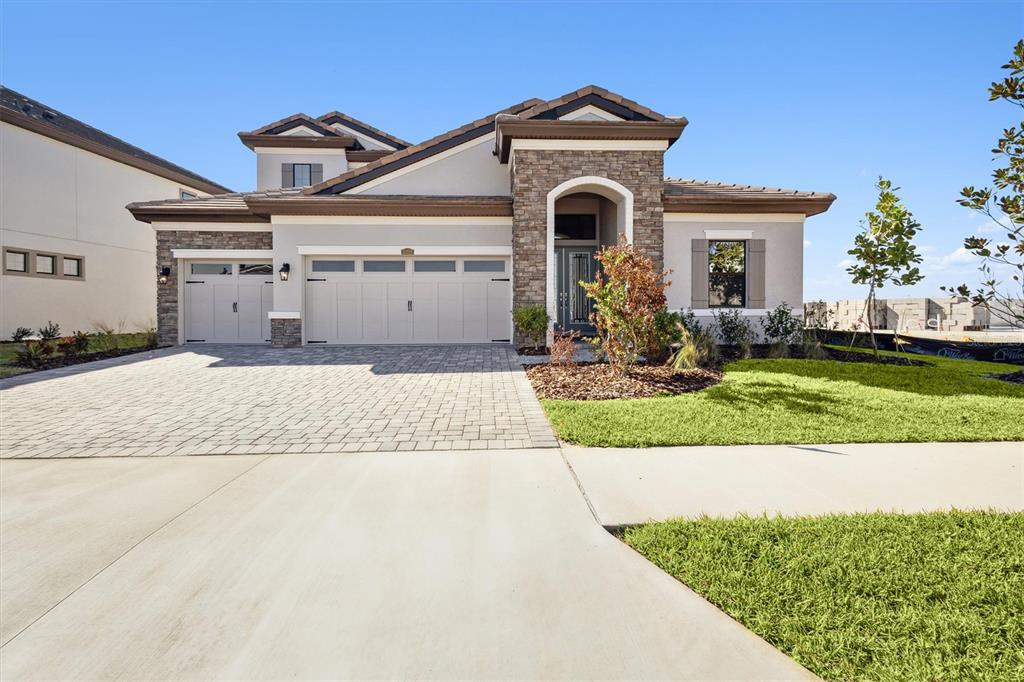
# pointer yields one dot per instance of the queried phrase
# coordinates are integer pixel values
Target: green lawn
(936, 596)
(810, 401)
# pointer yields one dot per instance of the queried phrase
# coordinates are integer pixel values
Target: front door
(574, 264)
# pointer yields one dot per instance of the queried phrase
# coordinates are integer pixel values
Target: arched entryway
(583, 214)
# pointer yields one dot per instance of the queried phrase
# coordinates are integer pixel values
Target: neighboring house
(354, 236)
(71, 254)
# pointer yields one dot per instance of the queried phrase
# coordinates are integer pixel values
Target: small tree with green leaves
(1003, 204)
(884, 249)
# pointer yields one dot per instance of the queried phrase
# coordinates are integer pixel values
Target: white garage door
(408, 300)
(228, 302)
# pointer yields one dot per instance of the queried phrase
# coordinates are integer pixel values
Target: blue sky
(807, 95)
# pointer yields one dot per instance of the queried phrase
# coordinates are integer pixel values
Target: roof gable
(417, 152)
(593, 95)
(294, 121)
(366, 129)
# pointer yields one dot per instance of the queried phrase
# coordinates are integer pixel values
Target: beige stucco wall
(470, 169)
(56, 197)
(784, 251)
(268, 164)
(289, 234)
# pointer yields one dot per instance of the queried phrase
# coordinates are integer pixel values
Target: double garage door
(408, 300)
(228, 301)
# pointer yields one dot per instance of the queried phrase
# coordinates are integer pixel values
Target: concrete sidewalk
(628, 486)
(464, 565)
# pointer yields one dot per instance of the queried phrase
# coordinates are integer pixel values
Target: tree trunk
(871, 320)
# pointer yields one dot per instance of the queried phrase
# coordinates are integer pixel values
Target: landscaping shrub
(20, 334)
(695, 350)
(687, 356)
(50, 332)
(689, 320)
(780, 326)
(532, 322)
(108, 337)
(812, 348)
(563, 349)
(35, 354)
(627, 292)
(151, 337)
(777, 349)
(733, 328)
(668, 333)
(75, 345)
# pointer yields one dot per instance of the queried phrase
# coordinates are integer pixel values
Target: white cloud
(958, 256)
(989, 227)
(845, 263)
(807, 243)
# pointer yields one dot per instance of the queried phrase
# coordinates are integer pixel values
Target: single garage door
(228, 302)
(408, 300)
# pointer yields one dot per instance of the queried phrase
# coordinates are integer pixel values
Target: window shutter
(699, 273)
(316, 173)
(287, 177)
(755, 273)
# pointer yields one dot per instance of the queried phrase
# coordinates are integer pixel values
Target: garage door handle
(410, 306)
(234, 307)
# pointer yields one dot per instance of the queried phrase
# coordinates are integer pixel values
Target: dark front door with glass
(575, 246)
(574, 264)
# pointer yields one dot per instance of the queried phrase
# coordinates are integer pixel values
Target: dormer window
(301, 174)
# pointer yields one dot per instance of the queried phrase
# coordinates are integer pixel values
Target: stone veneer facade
(536, 172)
(167, 303)
(286, 332)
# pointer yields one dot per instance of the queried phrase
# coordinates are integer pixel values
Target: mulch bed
(55, 361)
(532, 350)
(599, 381)
(1012, 377)
(797, 351)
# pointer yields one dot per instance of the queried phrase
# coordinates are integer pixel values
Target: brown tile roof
(682, 194)
(364, 128)
(248, 207)
(416, 152)
(293, 121)
(25, 112)
(383, 205)
(230, 207)
(585, 91)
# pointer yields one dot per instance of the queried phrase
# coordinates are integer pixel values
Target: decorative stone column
(285, 332)
(536, 172)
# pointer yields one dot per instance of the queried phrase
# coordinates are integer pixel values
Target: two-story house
(354, 236)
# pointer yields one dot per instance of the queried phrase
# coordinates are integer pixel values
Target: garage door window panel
(434, 266)
(211, 269)
(384, 266)
(484, 266)
(334, 266)
(265, 269)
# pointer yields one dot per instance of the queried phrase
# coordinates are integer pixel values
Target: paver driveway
(258, 400)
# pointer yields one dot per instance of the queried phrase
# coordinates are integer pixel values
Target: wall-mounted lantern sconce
(283, 272)
(165, 272)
